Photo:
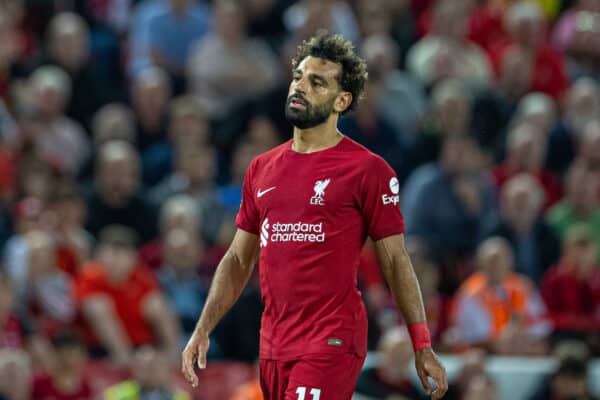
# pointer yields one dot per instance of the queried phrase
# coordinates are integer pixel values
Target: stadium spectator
(582, 107)
(498, 309)
(138, 56)
(444, 201)
(13, 333)
(68, 47)
(48, 294)
(473, 366)
(151, 379)
(73, 242)
(8, 53)
(248, 391)
(194, 175)
(570, 381)
(581, 202)
(371, 128)
(227, 66)
(181, 278)
(525, 152)
(114, 121)
(188, 126)
(390, 377)
(172, 34)
(494, 106)
(304, 17)
(262, 133)
(446, 51)
(571, 289)
(150, 95)
(57, 139)
(481, 386)
(519, 220)
(116, 197)
(15, 375)
(177, 212)
(230, 195)
(579, 40)
(403, 101)
(265, 20)
(449, 115)
(536, 108)
(383, 18)
(120, 301)
(525, 23)
(29, 216)
(67, 380)
(589, 150)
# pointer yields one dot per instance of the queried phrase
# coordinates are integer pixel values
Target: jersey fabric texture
(312, 213)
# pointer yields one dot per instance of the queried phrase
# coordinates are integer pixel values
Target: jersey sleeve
(380, 200)
(248, 217)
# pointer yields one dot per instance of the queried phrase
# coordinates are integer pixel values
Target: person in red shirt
(528, 40)
(120, 301)
(66, 381)
(526, 149)
(307, 208)
(571, 289)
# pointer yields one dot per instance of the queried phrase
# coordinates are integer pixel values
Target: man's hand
(195, 350)
(429, 365)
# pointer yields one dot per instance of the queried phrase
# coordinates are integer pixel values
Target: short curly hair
(337, 49)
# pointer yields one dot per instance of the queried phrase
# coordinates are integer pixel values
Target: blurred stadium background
(125, 130)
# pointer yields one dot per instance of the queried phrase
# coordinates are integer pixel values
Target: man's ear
(342, 102)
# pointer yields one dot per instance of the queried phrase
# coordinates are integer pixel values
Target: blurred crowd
(126, 127)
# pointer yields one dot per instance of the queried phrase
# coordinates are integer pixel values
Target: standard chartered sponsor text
(297, 232)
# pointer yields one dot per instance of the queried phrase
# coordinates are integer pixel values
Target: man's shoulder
(362, 156)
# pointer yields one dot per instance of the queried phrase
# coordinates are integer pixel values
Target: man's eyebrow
(317, 76)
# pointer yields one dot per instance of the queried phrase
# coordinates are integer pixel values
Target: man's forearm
(227, 285)
(400, 277)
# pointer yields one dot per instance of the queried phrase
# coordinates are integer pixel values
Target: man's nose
(300, 86)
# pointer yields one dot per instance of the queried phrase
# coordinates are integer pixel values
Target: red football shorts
(312, 377)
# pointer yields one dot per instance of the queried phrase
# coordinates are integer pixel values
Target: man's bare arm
(400, 277)
(231, 276)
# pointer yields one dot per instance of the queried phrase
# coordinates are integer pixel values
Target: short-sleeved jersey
(312, 213)
(127, 297)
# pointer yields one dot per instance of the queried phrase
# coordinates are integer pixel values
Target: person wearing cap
(120, 301)
(571, 289)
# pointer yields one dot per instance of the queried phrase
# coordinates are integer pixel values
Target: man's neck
(317, 138)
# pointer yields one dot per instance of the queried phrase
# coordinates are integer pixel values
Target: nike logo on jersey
(261, 193)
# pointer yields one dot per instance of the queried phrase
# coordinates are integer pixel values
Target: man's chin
(297, 118)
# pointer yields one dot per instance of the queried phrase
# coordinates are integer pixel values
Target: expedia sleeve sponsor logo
(395, 189)
(387, 199)
(291, 232)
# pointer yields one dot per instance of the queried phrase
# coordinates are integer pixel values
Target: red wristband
(419, 335)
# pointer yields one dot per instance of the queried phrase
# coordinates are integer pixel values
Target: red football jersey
(313, 212)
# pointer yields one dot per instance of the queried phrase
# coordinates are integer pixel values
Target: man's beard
(311, 116)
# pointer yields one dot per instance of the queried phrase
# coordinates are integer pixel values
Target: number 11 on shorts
(301, 392)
